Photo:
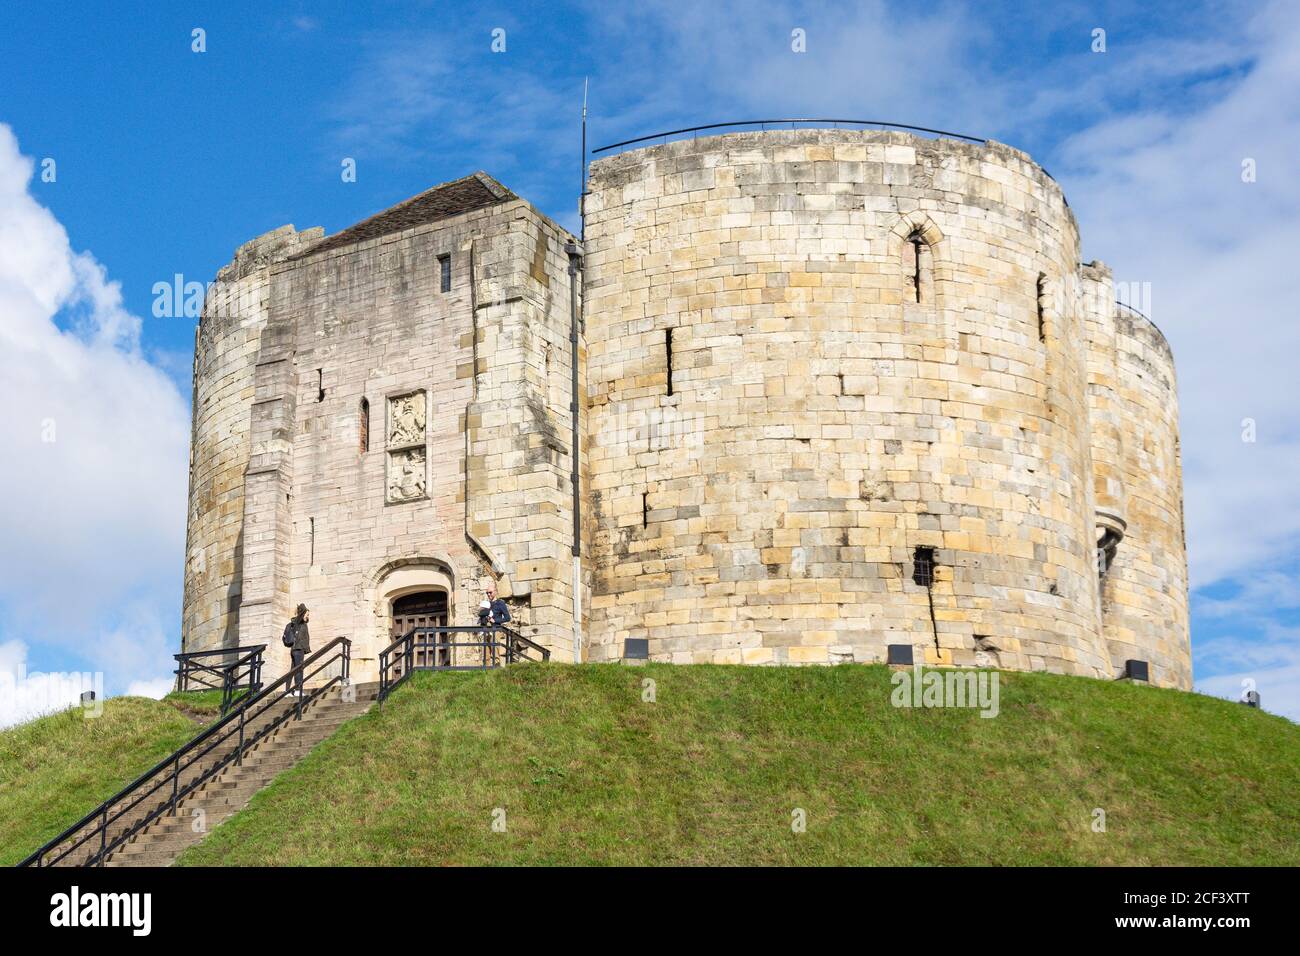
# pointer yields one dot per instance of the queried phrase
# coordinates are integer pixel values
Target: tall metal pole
(575, 263)
(582, 173)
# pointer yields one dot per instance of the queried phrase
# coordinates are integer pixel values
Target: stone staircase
(226, 794)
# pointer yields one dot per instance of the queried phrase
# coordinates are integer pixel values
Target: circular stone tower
(838, 390)
(225, 355)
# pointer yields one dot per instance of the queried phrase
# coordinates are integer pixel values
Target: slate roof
(441, 202)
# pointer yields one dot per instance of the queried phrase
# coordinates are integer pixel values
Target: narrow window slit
(668, 357)
(645, 509)
(1042, 303)
(444, 273)
(365, 425)
(915, 240)
(320, 385)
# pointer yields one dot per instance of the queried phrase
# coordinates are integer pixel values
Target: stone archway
(389, 583)
(918, 252)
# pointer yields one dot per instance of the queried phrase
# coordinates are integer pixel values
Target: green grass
(588, 773)
(56, 769)
(202, 705)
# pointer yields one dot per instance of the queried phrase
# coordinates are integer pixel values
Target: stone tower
(820, 358)
(840, 390)
(380, 415)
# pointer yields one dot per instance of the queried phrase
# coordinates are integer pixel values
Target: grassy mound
(56, 769)
(581, 770)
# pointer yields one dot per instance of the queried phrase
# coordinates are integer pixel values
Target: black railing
(764, 124)
(159, 791)
(445, 648)
(201, 670)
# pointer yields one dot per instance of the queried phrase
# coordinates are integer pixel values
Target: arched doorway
(423, 609)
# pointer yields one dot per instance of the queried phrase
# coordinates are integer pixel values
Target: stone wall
(1145, 590)
(824, 423)
(812, 361)
(465, 478)
(1138, 483)
(520, 429)
(226, 345)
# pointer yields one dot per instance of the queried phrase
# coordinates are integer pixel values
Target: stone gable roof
(441, 202)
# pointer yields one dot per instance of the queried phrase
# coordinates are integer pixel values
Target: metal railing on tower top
(777, 123)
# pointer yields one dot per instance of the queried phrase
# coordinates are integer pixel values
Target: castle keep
(838, 390)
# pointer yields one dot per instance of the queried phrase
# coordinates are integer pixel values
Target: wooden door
(424, 609)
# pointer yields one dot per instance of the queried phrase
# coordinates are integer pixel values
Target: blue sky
(167, 159)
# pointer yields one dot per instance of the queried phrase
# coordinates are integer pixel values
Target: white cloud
(25, 696)
(157, 688)
(1269, 663)
(95, 439)
(1269, 590)
(1170, 208)
(406, 100)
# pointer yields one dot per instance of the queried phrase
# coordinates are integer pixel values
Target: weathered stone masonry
(826, 420)
(479, 372)
(806, 355)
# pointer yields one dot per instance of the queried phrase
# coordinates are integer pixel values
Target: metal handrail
(226, 677)
(520, 639)
(220, 732)
(765, 123)
(190, 667)
(253, 660)
(400, 654)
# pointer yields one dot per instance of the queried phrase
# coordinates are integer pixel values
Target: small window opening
(312, 532)
(645, 509)
(444, 273)
(668, 357)
(365, 425)
(1042, 304)
(923, 567)
(1106, 550)
(914, 257)
(320, 385)
(923, 574)
(917, 267)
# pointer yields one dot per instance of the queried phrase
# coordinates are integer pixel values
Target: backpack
(290, 633)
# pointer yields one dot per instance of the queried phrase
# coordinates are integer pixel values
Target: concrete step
(227, 793)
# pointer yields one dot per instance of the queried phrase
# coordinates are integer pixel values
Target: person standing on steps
(497, 613)
(298, 639)
(500, 611)
(492, 612)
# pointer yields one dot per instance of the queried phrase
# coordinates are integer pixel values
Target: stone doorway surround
(395, 579)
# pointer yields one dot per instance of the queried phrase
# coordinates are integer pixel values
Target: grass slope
(588, 773)
(56, 769)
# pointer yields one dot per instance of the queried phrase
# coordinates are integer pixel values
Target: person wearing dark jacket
(492, 612)
(499, 610)
(300, 648)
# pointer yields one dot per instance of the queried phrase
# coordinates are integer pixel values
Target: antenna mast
(582, 177)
